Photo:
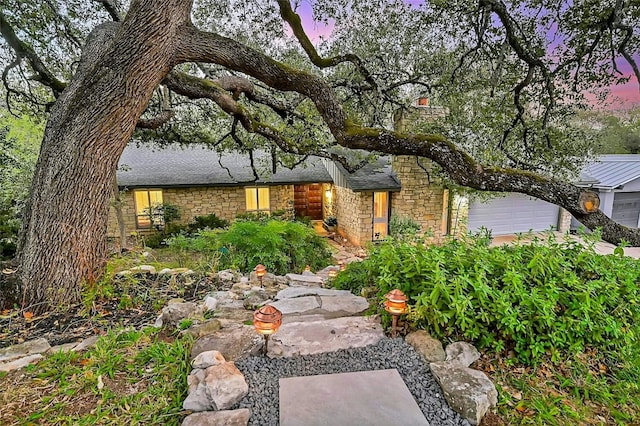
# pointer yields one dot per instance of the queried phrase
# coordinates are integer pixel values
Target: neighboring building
(200, 181)
(616, 178)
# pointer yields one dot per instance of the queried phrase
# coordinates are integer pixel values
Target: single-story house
(200, 181)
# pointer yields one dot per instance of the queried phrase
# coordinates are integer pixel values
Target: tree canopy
(241, 75)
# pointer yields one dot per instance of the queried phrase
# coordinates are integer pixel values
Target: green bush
(210, 221)
(281, 246)
(538, 298)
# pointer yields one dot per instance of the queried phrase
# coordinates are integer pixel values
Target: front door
(307, 201)
(380, 215)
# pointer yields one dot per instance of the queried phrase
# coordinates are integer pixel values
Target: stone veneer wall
(422, 197)
(354, 213)
(225, 202)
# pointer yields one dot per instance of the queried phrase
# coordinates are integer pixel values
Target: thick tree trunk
(63, 242)
(117, 206)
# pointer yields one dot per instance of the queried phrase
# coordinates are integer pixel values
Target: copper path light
(261, 271)
(396, 305)
(266, 321)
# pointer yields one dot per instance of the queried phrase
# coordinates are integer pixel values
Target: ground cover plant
(132, 377)
(547, 306)
(282, 246)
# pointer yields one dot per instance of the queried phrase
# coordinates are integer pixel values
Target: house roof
(611, 171)
(374, 176)
(175, 166)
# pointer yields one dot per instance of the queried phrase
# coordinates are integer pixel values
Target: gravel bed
(262, 376)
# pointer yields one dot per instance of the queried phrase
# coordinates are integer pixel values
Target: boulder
(204, 328)
(304, 338)
(238, 417)
(469, 392)
(462, 353)
(176, 311)
(254, 300)
(232, 342)
(216, 388)
(296, 302)
(207, 359)
(228, 277)
(430, 348)
(36, 346)
(297, 305)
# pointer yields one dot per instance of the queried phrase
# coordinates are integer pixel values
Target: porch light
(396, 305)
(266, 321)
(589, 201)
(261, 271)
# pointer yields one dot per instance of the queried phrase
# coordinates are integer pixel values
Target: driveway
(601, 247)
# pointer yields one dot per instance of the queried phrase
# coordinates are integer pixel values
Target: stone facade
(225, 202)
(422, 197)
(354, 211)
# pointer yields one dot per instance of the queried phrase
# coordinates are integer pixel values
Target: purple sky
(622, 96)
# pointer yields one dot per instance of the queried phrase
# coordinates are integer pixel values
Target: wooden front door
(307, 201)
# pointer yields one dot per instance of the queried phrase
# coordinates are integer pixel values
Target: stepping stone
(297, 306)
(304, 280)
(373, 398)
(304, 338)
(291, 292)
(36, 346)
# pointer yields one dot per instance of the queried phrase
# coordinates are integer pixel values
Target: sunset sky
(622, 97)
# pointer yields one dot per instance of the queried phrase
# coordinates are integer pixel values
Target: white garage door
(511, 214)
(626, 208)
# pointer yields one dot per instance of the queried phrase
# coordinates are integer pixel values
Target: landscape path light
(396, 305)
(261, 271)
(341, 265)
(266, 321)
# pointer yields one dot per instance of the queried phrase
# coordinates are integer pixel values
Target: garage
(626, 208)
(511, 214)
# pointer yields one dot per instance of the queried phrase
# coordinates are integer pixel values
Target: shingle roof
(374, 176)
(612, 171)
(148, 166)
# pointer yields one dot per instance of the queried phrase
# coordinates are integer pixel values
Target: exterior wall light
(589, 201)
(266, 321)
(261, 271)
(396, 305)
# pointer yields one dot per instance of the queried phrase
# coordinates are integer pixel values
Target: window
(147, 213)
(257, 199)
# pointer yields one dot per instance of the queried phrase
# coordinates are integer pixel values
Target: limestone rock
(221, 387)
(297, 305)
(430, 348)
(462, 353)
(291, 292)
(238, 417)
(228, 277)
(205, 328)
(304, 280)
(86, 344)
(175, 311)
(233, 342)
(164, 271)
(64, 348)
(303, 338)
(210, 303)
(36, 346)
(19, 362)
(207, 359)
(143, 270)
(254, 300)
(467, 391)
(333, 307)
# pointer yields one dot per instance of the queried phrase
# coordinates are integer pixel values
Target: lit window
(257, 199)
(148, 213)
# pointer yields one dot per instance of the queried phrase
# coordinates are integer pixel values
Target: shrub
(281, 246)
(210, 221)
(537, 298)
(403, 227)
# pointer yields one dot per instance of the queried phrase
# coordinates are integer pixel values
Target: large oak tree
(236, 73)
